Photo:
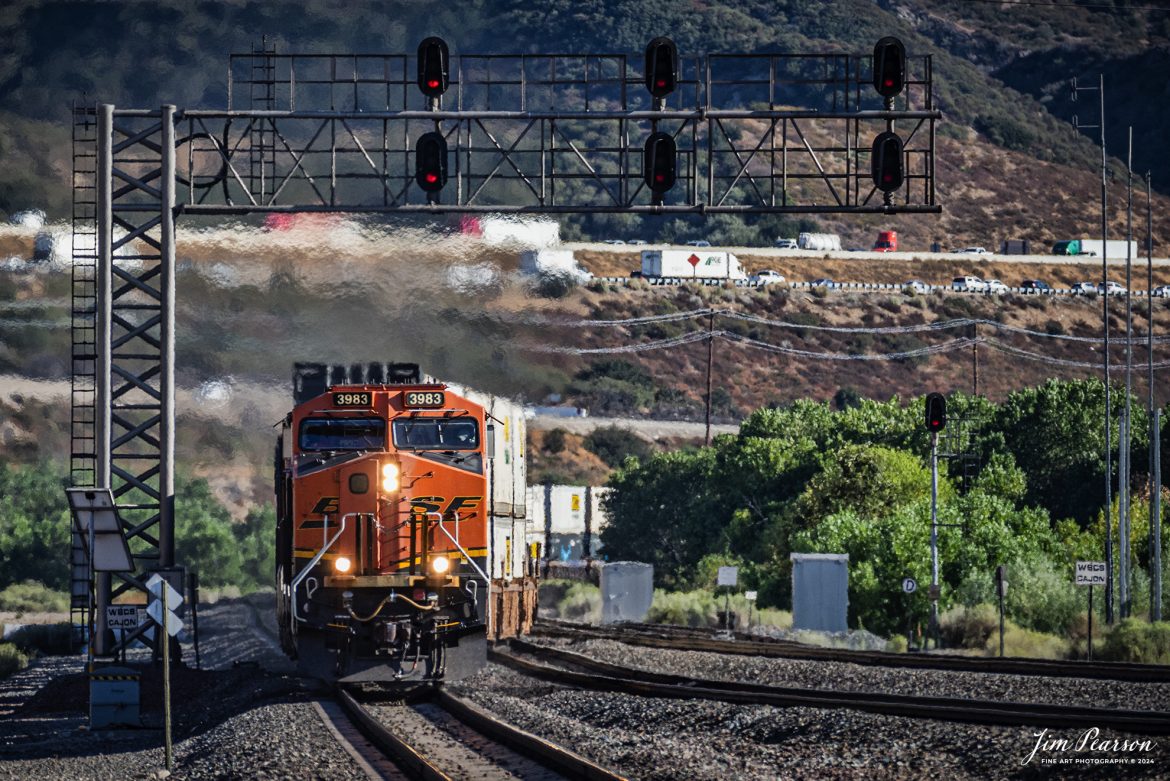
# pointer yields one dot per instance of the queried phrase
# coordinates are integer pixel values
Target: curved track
(440, 736)
(609, 677)
(691, 639)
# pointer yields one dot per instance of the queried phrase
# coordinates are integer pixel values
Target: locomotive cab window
(343, 434)
(436, 434)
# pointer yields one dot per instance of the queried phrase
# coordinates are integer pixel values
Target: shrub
(1134, 640)
(581, 602)
(1041, 597)
(701, 608)
(897, 644)
(1026, 643)
(554, 441)
(32, 597)
(52, 639)
(613, 445)
(12, 659)
(969, 627)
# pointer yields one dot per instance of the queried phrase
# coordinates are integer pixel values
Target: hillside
(996, 68)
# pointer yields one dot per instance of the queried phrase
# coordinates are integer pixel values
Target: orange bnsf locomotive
(400, 538)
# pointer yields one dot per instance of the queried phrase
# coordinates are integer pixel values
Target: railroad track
(609, 677)
(440, 737)
(690, 639)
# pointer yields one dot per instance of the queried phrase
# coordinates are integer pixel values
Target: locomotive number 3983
(424, 398)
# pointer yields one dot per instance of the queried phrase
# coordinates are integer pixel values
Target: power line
(943, 325)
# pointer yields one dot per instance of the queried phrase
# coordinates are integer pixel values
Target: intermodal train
(401, 524)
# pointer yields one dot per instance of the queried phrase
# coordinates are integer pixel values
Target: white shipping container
(698, 263)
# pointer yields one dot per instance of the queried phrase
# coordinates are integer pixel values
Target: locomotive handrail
(442, 528)
(304, 573)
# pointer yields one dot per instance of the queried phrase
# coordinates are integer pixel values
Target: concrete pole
(1123, 519)
(166, 475)
(934, 589)
(1155, 427)
(1156, 510)
(1105, 327)
(101, 640)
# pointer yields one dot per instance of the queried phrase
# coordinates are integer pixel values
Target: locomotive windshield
(436, 434)
(343, 434)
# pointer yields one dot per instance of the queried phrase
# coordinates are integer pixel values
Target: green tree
(35, 526)
(255, 538)
(666, 512)
(204, 541)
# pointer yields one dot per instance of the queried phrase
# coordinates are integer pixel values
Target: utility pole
(710, 360)
(1105, 326)
(1155, 426)
(1124, 486)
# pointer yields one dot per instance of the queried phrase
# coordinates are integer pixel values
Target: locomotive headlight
(389, 477)
(342, 564)
(440, 565)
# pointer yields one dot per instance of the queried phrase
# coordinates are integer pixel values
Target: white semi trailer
(697, 263)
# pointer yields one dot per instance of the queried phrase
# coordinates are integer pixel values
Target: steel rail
(389, 743)
(550, 754)
(655, 637)
(608, 677)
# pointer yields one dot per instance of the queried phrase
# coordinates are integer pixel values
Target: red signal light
(432, 177)
(888, 83)
(433, 83)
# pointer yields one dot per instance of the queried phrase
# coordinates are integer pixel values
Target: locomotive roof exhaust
(311, 379)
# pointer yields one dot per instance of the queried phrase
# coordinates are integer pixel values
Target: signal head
(936, 412)
(887, 162)
(430, 162)
(433, 66)
(659, 163)
(661, 73)
(889, 67)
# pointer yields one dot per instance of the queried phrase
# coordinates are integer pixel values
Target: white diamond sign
(158, 586)
(174, 623)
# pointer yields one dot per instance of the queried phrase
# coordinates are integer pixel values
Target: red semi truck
(887, 241)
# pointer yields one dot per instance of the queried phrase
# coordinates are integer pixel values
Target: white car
(786, 244)
(973, 251)
(916, 286)
(1161, 291)
(1084, 288)
(995, 286)
(969, 284)
(767, 277)
(617, 242)
(1111, 288)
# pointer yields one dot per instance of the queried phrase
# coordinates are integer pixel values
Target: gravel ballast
(658, 739)
(843, 676)
(242, 716)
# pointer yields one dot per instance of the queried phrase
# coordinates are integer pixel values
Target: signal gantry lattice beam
(543, 134)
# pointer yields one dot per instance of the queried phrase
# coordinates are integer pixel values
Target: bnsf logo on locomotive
(434, 504)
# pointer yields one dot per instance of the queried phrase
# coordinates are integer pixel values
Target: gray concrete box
(627, 589)
(114, 698)
(820, 591)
